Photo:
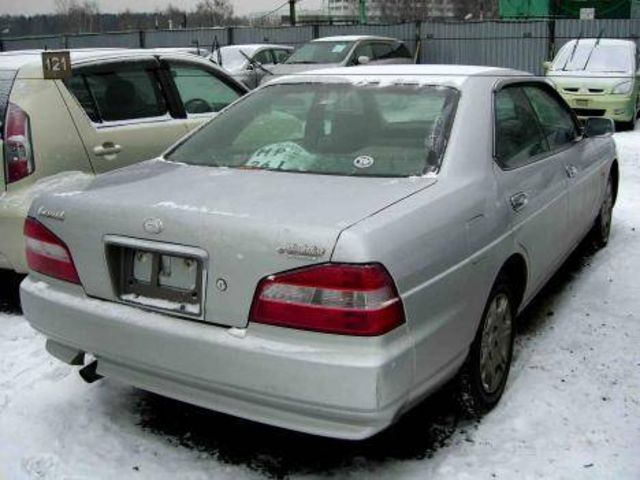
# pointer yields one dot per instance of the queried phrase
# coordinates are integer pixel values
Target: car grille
(589, 112)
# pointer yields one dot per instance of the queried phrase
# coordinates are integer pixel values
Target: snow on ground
(571, 409)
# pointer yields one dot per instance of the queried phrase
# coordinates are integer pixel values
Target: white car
(250, 63)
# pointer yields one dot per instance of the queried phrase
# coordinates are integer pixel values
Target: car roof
(31, 59)
(449, 75)
(353, 38)
(256, 46)
(603, 41)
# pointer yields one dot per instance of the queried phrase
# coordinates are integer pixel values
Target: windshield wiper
(573, 52)
(255, 63)
(302, 62)
(595, 45)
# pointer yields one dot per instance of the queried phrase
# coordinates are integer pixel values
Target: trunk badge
(308, 251)
(53, 214)
(153, 225)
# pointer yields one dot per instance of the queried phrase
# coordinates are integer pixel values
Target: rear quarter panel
(57, 151)
(443, 246)
(56, 144)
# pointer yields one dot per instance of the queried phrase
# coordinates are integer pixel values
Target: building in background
(585, 9)
(384, 10)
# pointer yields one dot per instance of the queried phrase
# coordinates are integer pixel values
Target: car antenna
(595, 45)
(573, 52)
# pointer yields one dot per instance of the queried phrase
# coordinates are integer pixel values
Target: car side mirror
(597, 127)
(363, 60)
(546, 66)
(250, 66)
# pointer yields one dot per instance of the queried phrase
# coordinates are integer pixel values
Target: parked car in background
(118, 107)
(330, 250)
(598, 78)
(346, 51)
(250, 63)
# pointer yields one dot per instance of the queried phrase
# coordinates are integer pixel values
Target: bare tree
(78, 16)
(394, 11)
(217, 12)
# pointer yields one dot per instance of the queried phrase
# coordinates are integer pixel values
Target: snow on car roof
(603, 42)
(255, 46)
(31, 59)
(454, 75)
(351, 38)
(23, 57)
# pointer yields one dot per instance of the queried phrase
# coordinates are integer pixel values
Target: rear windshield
(6, 82)
(339, 129)
(321, 52)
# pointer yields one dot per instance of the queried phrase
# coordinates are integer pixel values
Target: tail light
(345, 299)
(18, 154)
(47, 254)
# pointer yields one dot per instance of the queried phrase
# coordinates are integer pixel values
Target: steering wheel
(197, 105)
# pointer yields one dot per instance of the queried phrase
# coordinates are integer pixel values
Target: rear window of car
(6, 83)
(339, 129)
(321, 52)
(124, 93)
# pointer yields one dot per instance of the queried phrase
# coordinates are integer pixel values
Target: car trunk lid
(248, 224)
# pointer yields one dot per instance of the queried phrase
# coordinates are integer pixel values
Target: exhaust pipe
(89, 374)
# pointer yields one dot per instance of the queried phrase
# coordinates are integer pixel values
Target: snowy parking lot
(571, 409)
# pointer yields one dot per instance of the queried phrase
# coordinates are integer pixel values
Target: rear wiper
(595, 45)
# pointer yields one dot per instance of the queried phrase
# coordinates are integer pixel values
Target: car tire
(482, 379)
(601, 229)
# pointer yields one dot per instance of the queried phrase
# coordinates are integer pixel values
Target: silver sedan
(330, 249)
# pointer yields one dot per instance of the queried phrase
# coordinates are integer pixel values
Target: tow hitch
(89, 374)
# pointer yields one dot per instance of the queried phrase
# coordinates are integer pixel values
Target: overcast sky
(30, 7)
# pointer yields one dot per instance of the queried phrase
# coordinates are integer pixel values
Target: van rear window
(6, 82)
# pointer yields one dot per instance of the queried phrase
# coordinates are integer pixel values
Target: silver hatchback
(330, 249)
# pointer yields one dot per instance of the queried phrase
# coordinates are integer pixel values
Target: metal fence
(515, 44)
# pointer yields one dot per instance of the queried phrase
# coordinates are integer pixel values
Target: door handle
(571, 170)
(519, 201)
(107, 148)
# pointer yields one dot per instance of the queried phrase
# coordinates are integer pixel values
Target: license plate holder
(163, 281)
(582, 102)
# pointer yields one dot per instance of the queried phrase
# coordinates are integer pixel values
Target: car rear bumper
(327, 385)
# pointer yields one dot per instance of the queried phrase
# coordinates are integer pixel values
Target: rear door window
(200, 90)
(79, 87)
(519, 138)
(126, 92)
